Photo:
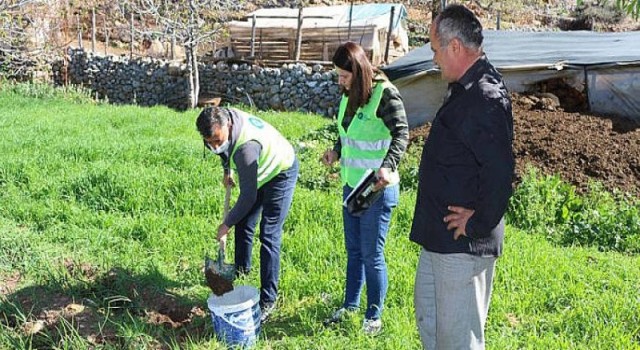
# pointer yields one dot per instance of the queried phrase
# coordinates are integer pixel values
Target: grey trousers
(452, 294)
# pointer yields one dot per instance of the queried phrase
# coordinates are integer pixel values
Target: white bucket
(236, 316)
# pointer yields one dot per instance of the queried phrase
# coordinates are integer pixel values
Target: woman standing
(373, 134)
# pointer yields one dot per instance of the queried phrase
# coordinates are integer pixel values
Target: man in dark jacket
(464, 188)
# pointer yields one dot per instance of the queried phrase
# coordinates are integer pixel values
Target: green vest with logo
(276, 155)
(366, 142)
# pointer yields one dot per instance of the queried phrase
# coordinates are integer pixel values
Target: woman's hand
(329, 157)
(384, 177)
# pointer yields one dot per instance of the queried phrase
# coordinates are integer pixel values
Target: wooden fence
(269, 45)
(309, 44)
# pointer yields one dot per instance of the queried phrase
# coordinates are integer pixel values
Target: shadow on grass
(116, 309)
(279, 327)
(296, 324)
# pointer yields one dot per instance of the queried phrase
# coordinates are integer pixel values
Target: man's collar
(471, 75)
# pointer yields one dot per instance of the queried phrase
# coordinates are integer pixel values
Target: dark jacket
(467, 161)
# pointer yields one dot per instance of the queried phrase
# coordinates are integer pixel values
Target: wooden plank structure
(314, 33)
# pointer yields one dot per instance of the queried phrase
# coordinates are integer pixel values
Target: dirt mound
(577, 146)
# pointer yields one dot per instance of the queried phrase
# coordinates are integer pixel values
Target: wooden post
(253, 36)
(261, 52)
(79, 30)
(350, 19)
(132, 36)
(65, 25)
(93, 30)
(106, 35)
(325, 51)
(173, 46)
(165, 46)
(498, 21)
(299, 35)
(386, 50)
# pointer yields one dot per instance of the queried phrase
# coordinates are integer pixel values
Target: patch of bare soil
(577, 146)
(46, 312)
(9, 283)
(77, 270)
(156, 306)
(164, 309)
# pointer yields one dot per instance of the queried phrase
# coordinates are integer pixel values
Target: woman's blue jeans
(364, 240)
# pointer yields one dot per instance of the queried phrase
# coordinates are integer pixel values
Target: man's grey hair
(211, 116)
(456, 21)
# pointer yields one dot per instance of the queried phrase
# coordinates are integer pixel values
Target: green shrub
(409, 165)
(540, 201)
(69, 93)
(326, 134)
(310, 147)
(545, 204)
(611, 221)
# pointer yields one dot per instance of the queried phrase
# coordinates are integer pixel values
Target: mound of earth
(577, 146)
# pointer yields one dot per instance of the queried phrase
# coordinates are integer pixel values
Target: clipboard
(363, 195)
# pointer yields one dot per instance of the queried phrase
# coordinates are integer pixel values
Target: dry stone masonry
(148, 82)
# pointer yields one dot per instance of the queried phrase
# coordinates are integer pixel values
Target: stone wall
(148, 82)
(142, 81)
(22, 67)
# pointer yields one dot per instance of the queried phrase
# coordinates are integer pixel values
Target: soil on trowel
(218, 284)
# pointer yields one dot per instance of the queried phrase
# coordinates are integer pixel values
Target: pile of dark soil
(577, 146)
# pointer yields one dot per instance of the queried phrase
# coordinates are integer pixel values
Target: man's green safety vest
(366, 142)
(276, 155)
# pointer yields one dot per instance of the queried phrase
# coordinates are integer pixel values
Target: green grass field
(107, 212)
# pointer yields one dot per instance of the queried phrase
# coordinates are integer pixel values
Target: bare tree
(13, 21)
(191, 22)
(27, 34)
(30, 34)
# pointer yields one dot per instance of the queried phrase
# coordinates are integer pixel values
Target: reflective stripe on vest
(276, 155)
(366, 142)
(360, 163)
(366, 145)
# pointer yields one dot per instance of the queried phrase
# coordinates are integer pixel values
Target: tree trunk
(196, 76)
(194, 81)
(187, 52)
(192, 59)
